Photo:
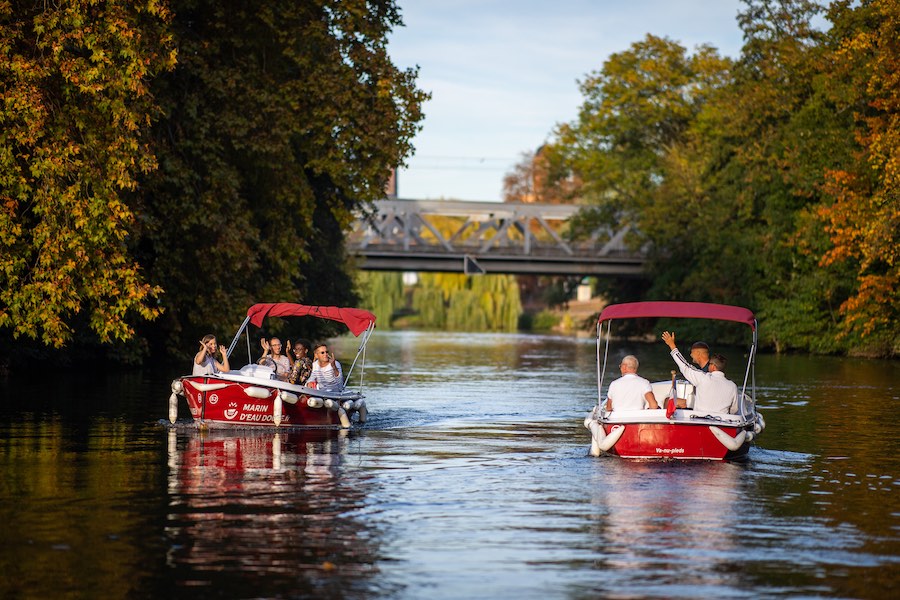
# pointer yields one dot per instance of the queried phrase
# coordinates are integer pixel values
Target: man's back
(715, 393)
(627, 392)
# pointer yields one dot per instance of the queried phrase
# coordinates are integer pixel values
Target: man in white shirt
(630, 391)
(715, 393)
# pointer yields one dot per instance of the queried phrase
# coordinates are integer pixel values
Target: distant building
(390, 189)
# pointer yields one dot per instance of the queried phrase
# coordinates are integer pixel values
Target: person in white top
(205, 362)
(272, 357)
(715, 393)
(630, 391)
(326, 372)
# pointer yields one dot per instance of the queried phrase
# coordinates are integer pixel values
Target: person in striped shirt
(326, 371)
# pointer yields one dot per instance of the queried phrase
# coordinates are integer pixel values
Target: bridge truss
(485, 237)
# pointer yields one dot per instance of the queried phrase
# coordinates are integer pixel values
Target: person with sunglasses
(326, 371)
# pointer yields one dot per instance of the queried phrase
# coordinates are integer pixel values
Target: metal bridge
(485, 237)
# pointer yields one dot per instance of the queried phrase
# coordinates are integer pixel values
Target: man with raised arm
(715, 393)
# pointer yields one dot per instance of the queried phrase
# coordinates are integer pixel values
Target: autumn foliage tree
(769, 180)
(861, 214)
(280, 120)
(74, 79)
(187, 158)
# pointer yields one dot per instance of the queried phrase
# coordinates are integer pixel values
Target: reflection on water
(471, 479)
(662, 519)
(250, 508)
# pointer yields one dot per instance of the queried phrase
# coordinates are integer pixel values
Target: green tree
(280, 120)
(468, 303)
(634, 130)
(381, 293)
(76, 107)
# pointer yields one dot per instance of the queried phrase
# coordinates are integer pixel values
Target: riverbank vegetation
(771, 180)
(443, 301)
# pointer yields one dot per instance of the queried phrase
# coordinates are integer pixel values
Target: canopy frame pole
(237, 336)
(601, 371)
(361, 350)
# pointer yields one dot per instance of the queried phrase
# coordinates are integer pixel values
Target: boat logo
(212, 398)
(232, 411)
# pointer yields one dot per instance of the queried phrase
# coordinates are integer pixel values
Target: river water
(472, 479)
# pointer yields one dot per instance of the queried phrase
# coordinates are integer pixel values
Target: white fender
(612, 437)
(276, 410)
(363, 411)
(329, 403)
(314, 402)
(347, 405)
(761, 421)
(177, 386)
(732, 443)
(257, 392)
(173, 408)
(345, 420)
(208, 387)
(590, 417)
(597, 436)
(288, 397)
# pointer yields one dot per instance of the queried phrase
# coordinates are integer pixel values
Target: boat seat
(684, 388)
(258, 371)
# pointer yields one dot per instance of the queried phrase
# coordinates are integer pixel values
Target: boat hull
(676, 440)
(684, 435)
(243, 401)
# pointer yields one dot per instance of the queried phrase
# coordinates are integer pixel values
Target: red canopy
(356, 319)
(685, 310)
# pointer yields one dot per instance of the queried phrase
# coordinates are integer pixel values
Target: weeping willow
(464, 303)
(381, 293)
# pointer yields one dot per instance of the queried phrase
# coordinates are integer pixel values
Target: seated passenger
(205, 362)
(714, 392)
(272, 357)
(302, 363)
(630, 391)
(326, 372)
(700, 355)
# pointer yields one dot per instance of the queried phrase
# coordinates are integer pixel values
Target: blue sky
(504, 73)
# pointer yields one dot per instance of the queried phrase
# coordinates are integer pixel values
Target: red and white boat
(253, 396)
(670, 432)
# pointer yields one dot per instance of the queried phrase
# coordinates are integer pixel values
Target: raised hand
(669, 339)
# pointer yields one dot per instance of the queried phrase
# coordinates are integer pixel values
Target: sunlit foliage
(769, 181)
(188, 158)
(75, 83)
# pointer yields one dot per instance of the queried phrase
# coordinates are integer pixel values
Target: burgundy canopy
(685, 310)
(356, 319)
